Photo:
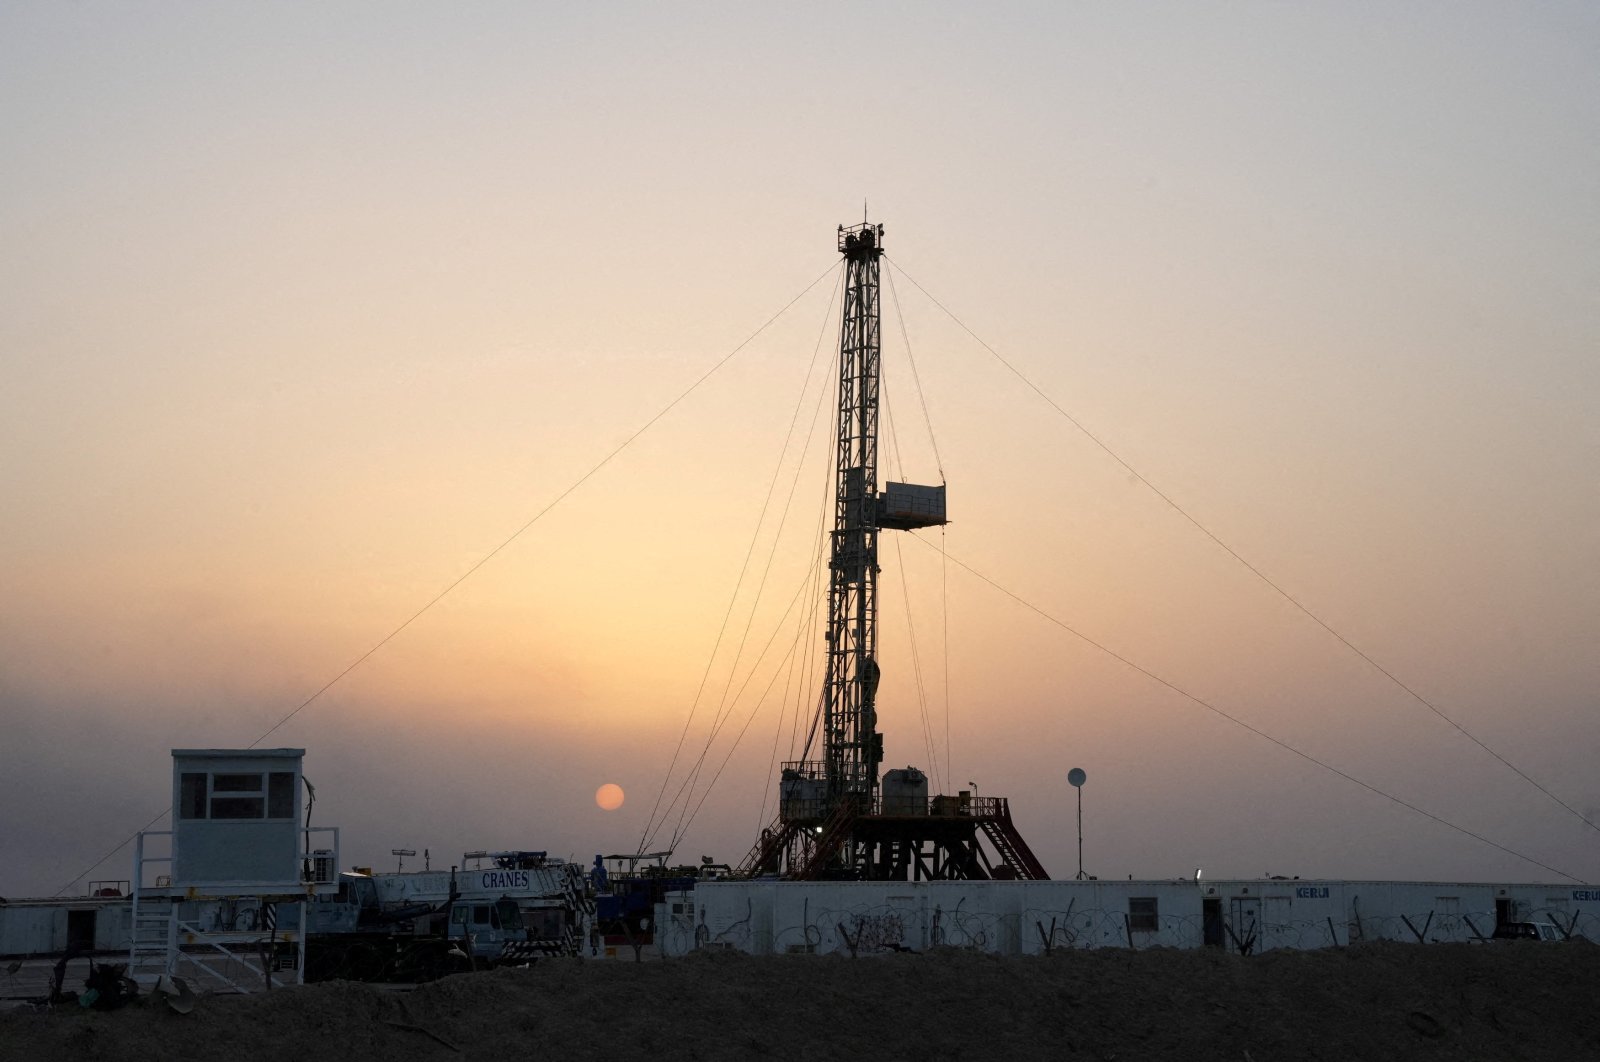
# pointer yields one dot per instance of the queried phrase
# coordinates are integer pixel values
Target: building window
(192, 795)
(236, 795)
(1142, 916)
(236, 807)
(280, 795)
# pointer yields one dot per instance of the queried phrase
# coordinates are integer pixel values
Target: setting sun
(609, 796)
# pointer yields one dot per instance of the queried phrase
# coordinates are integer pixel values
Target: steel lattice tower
(850, 726)
(833, 821)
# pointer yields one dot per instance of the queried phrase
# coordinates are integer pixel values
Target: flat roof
(274, 754)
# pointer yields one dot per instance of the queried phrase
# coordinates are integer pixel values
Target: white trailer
(859, 917)
(49, 926)
(1029, 917)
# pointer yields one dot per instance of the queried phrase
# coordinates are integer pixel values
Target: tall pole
(1080, 832)
(853, 746)
(1075, 778)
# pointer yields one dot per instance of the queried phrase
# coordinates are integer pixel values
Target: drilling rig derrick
(835, 819)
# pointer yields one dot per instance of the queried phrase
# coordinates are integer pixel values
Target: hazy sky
(306, 308)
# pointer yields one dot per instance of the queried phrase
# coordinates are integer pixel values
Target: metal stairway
(763, 857)
(1008, 842)
(834, 834)
(766, 856)
(154, 937)
(153, 918)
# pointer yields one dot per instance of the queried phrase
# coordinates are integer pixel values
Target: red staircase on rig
(835, 833)
(809, 845)
(763, 857)
(1010, 846)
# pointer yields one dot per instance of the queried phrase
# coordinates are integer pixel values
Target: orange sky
(304, 312)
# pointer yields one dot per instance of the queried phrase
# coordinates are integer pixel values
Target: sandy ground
(1378, 1001)
(33, 977)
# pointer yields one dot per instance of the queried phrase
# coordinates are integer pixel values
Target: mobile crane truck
(354, 937)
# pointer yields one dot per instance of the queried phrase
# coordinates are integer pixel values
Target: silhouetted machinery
(835, 819)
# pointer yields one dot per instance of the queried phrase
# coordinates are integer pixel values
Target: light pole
(1076, 778)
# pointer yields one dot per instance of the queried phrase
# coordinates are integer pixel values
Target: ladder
(153, 934)
(154, 937)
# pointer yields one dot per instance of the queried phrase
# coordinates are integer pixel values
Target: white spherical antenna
(1076, 777)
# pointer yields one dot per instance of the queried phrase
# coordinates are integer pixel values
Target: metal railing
(899, 806)
(319, 862)
(141, 858)
(812, 770)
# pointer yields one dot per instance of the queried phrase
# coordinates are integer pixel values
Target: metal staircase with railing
(835, 833)
(763, 855)
(153, 933)
(174, 931)
(1008, 843)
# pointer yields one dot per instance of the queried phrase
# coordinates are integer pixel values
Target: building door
(1211, 915)
(80, 930)
(1245, 925)
(1448, 925)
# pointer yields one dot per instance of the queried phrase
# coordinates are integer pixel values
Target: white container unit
(1030, 917)
(1000, 917)
(1573, 909)
(1270, 913)
(52, 926)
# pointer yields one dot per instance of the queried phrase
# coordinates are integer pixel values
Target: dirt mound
(1380, 1001)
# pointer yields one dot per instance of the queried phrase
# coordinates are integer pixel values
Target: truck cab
(350, 910)
(486, 926)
